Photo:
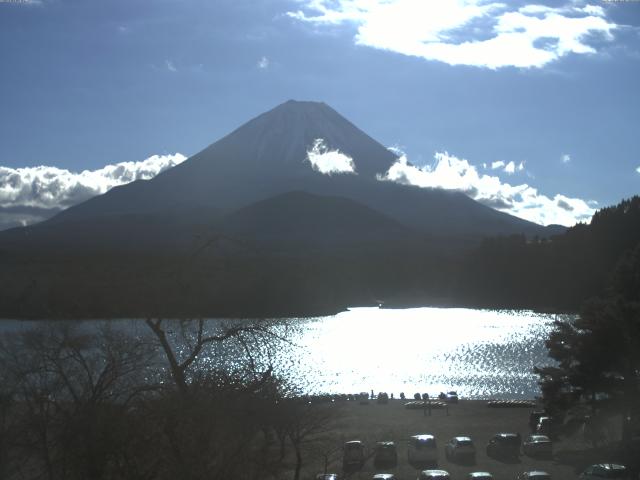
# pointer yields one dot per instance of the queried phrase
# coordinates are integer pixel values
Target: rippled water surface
(479, 353)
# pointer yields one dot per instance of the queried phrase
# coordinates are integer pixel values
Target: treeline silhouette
(229, 278)
(556, 274)
(214, 283)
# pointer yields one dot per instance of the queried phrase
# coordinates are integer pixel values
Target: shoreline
(309, 314)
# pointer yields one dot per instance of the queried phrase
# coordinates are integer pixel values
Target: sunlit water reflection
(479, 353)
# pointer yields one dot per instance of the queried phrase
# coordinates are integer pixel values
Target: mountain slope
(263, 157)
(300, 220)
(267, 157)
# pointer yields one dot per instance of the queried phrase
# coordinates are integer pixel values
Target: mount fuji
(306, 238)
(268, 156)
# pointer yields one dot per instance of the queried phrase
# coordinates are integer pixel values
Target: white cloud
(524, 201)
(55, 188)
(479, 33)
(263, 63)
(638, 169)
(509, 168)
(566, 158)
(24, 2)
(170, 66)
(328, 161)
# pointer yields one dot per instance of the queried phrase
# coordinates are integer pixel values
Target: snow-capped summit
(279, 140)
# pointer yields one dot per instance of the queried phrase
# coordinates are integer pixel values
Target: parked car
(534, 475)
(504, 445)
(422, 449)
(384, 476)
(385, 453)
(534, 417)
(537, 446)
(460, 449)
(451, 397)
(353, 455)
(434, 475)
(327, 476)
(479, 476)
(605, 470)
(547, 426)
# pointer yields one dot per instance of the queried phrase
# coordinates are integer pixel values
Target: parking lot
(393, 422)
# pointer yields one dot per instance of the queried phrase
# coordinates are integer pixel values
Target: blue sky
(481, 95)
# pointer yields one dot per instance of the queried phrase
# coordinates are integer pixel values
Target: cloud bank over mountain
(31, 194)
(477, 33)
(452, 173)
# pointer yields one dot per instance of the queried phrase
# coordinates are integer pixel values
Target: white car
(460, 449)
(479, 476)
(605, 470)
(434, 475)
(537, 445)
(534, 475)
(384, 476)
(422, 449)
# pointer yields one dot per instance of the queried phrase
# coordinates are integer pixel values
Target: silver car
(479, 476)
(434, 475)
(460, 449)
(534, 475)
(605, 470)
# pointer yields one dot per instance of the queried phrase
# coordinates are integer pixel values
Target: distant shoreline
(306, 313)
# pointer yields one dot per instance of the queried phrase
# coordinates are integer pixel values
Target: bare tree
(305, 425)
(198, 337)
(72, 389)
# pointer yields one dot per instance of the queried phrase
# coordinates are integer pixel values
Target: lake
(478, 353)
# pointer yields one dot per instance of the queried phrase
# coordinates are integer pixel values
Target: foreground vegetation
(81, 404)
(597, 373)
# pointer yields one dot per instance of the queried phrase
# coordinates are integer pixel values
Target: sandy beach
(392, 421)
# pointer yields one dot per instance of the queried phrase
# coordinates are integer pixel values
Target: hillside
(303, 221)
(559, 273)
